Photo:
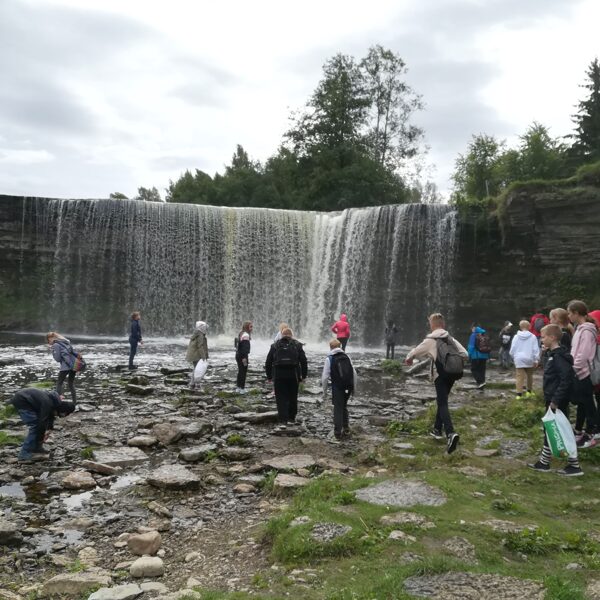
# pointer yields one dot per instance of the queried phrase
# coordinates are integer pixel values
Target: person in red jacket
(538, 322)
(341, 329)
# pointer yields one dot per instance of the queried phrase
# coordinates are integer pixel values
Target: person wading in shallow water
(135, 337)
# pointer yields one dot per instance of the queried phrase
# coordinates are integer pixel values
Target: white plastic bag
(560, 434)
(200, 370)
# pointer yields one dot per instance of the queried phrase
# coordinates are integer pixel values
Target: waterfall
(98, 260)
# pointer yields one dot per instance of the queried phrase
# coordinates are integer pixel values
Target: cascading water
(178, 262)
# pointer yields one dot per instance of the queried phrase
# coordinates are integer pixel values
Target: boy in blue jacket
(479, 353)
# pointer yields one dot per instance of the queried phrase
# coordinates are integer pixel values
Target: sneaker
(40, 456)
(571, 471)
(597, 436)
(25, 457)
(243, 391)
(578, 435)
(481, 386)
(436, 434)
(590, 443)
(132, 367)
(452, 442)
(583, 440)
(540, 466)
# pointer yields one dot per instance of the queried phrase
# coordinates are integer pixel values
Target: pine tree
(587, 120)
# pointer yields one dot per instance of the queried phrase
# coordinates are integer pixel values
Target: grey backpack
(449, 361)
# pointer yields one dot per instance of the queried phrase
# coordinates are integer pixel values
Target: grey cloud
(200, 93)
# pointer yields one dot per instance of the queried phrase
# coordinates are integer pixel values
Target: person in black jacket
(241, 355)
(38, 409)
(135, 337)
(558, 381)
(286, 366)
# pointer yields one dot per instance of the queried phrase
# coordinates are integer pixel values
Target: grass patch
(87, 453)
(235, 439)
(43, 385)
(7, 411)
(7, 439)
(391, 367)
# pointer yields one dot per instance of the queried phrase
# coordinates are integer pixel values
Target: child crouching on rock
(448, 355)
(558, 381)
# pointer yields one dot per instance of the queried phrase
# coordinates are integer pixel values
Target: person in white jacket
(525, 353)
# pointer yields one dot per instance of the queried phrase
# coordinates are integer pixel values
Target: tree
(149, 195)
(192, 189)
(118, 196)
(586, 147)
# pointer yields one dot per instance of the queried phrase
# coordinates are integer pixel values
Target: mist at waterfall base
(90, 263)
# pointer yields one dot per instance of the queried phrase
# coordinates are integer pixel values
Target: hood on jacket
(334, 351)
(437, 334)
(589, 326)
(202, 327)
(62, 341)
(343, 317)
(523, 335)
(564, 352)
(479, 330)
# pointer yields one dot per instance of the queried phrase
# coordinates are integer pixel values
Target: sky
(107, 96)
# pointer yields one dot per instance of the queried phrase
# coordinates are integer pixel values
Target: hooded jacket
(341, 328)
(474, 354)
(558, 376)
(198, 346)
(532, 321)
(326, 374)
(595, 314)
(297, 372)
(525, 350)
(63, 353)
(428, 349)
(135, 331)
(583, 349)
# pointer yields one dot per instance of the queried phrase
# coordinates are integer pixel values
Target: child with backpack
(525, 352)
(448, 356)
(71, 362)
(479, 349)
(338, 367)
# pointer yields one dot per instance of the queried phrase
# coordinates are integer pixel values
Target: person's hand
(46, 436)
(245, 362)
(408, 361)
(553, 406)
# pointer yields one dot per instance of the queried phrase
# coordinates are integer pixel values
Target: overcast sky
(104, 96)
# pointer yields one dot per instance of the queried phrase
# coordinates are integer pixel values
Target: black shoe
(571, 471)
(452, 442)
(540, 466)
(436, 434)
(132, 367)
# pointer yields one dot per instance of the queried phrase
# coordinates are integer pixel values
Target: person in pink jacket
(341, 329)
(583, 350)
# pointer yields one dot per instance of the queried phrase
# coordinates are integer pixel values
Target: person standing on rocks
(241, 355)
(525, 352)
(286, 367)
(338, 368)
(391, 334)
(448, 356)
(506, 336)
(197, 349)
(135, 337)
(537, 322)
(479, 352)
(341, 329)
(65, 356)
(38, 409)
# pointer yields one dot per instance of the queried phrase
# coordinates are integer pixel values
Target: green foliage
(87, 452)
(43, 385)
(118, 196)
(148, 194)
(586, 147)
(563, 587)
(235, 439)
(391, 366)
(7, 411)
(532, 541)
(7, 439)
(503, 505)
(268, 482)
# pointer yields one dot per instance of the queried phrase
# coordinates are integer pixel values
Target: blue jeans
(31, 441)
(133, 344)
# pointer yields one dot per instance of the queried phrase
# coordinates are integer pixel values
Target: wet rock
(167, 371)
(379, 420)
(147, 566)
(142, 441)
(236, 454)
(100, 468)
(120, 457)
(461, 548)
(119, 592)
(289, 482)
(5, 362)
(407, 518)
(79, 480)
(473, 586)
(10, 534)
(73, 585)
(144, 543)
(256, 418)
(196, 453)
(159, 509)
(327, 532)
(139, 380)
(244, 488)
(6, 595)
(167, 433)
(290, 462)
(402, 493)
(139, 390)
(174, 477)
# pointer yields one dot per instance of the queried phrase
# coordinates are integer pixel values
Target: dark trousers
(442, 416)
(286, 397)
(242, 370)
(341, 418)
(478, 369)
(583, 397)
(133, 344)
(31, 443)
(70, 382)
(389, 350)
(343, 341)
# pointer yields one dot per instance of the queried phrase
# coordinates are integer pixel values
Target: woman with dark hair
(241, 355)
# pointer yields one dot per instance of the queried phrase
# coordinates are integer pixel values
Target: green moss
(392, 367)
(87, 452)
(11, 439)
(235, 439)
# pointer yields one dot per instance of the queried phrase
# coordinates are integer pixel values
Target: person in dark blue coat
(135, 337)
(479, 353)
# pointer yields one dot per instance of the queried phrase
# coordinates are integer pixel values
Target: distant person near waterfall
(341, 329)
(242, 351)
(391, 335)
(69, 360)
(449, 357)
(135, 337)
(197, 350)
(506, 336)
(479, 353)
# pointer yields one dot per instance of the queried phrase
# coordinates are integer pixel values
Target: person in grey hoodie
(63, 353)
(198, 347)
(525, 352)
(428, 349)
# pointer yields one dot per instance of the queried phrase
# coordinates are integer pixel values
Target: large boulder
(74, 585)
(147, 566)
(174, 477)
(144, 543)
(79, 480)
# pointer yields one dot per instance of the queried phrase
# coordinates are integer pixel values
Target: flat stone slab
(142, 441)
(257, 418)
(290, 462)
(79, 480)
(289, 482)
(10, 533)
(327, 532)
(473, 586)
(119, 592)
(196, 453)
(120, 457)
(402, 493)
(407, 518)
(101, 468)
(74, 585)
(139, 390)
(173, 477)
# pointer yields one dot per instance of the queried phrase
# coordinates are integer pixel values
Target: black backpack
(341, 371)
(449, 361)
(286, 353)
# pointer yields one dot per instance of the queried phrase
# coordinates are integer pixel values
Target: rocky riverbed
(152, 488)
